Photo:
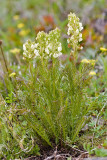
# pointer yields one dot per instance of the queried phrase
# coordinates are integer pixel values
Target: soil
(62, 154)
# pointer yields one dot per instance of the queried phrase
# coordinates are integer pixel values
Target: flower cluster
(92, 73)
(12, 74)
(15, 50)
(20, 25)
(28, 50)
(103, 49)
(24, 32)
(74, 31)
(89, 61)
(54, 47)
(45, 45)
(16, 17)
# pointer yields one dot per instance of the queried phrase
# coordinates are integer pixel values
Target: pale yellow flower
(92, 61)
(89, 61)
(20, 25)
(92, 73)
(16, 17)
(12, 74)
(103, 49)
(15, 50)
(24, 32)
(85, 61)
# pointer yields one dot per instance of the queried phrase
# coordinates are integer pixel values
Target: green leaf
(24, 123)
(101, 152)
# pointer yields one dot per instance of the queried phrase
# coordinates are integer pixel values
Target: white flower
(33, 46)
(73, 14)
(24, 53)
(70, 28)
(24, 47)
(68, 41)
(55, 55)
(72, 37)
(80, 39)
(68, 32)
(50, 54)
(80, 26)
(36, 52)
(60, 53)
(60, 47)
(50, 46)
(77, 31)
(81, 47)
(29, 55)
(36, 45)
(68, 25)
(80, 35)
(47, 50)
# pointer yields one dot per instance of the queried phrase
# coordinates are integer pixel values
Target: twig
(25, 150)
(58, 156)
(79, 158)
(73, 148)
(32, 157)
(23, 109)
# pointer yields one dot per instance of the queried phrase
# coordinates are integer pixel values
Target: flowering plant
(47, 97)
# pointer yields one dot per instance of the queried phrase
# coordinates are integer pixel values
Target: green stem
(53, 65)
(4, 59)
